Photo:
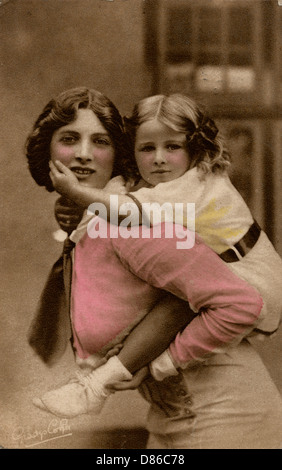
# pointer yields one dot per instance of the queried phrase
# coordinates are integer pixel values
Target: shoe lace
(98, 389)
(86, 380)
(78, 377)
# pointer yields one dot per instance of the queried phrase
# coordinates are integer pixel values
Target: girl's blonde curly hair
(179, 112)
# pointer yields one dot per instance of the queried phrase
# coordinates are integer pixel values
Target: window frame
(214, 95)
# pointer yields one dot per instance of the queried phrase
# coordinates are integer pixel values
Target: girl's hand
(130, 384)
(116, 185)
(67, 214)
(63, 179)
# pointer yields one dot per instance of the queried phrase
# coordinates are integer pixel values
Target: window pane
(210, 26)
(241, 79)
(240, 26)
(240, 58)
(212, 58)
(209, 78)
(179, 27)
(177, 56)
(180, 77)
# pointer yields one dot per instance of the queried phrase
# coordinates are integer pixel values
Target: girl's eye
(147, 148)
(173, 146)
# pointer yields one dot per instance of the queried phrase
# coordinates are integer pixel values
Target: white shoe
(84, 393)
(77, 397)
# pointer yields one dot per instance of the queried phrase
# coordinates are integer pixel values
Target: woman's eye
(100, 141)
(68, 139)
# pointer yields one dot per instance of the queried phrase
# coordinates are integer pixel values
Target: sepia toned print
(227, 55)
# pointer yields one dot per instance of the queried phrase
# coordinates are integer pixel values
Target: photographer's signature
(31, 436)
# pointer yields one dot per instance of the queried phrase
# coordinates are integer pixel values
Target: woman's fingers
(67, 214)
(67, 222)
(68, 207)
(114, 351)
(64, 218)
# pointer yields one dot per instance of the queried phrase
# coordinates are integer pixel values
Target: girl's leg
(155, 332)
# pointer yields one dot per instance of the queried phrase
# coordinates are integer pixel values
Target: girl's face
(161, 153)
(85, 147)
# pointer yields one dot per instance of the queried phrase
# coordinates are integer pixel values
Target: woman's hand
(130, 384)
(67, 214)
(63, 179)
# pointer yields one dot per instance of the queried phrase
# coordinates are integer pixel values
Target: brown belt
(243, 246)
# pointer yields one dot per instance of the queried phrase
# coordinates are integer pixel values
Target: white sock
(112, 371)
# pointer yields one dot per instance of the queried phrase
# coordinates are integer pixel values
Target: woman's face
(85, 147)
(161, 153)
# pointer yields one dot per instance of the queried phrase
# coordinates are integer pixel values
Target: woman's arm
(149, 340)
(228, 306)
(155, 332)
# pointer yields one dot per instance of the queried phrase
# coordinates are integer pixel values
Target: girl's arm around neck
(115, 206)
(103, 202)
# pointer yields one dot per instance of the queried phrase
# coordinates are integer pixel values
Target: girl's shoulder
(199, 175)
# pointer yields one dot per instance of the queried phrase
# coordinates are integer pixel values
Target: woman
(215, 398)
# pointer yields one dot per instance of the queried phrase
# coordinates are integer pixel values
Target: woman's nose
(84, 153)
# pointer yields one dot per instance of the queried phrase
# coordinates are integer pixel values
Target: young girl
(181, 158)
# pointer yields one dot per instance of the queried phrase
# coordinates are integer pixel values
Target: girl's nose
(159, 157)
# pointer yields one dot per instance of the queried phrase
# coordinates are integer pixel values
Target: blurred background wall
(127, 49)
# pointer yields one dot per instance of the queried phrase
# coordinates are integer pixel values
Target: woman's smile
(82, 172)
(85, 147)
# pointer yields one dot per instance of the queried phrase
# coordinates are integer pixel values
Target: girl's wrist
(71, 193)
(83, 195)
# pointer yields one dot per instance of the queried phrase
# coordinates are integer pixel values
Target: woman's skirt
(229, 401)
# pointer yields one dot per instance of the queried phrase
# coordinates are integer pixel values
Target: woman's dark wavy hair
(180, 113)
(62, 111)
